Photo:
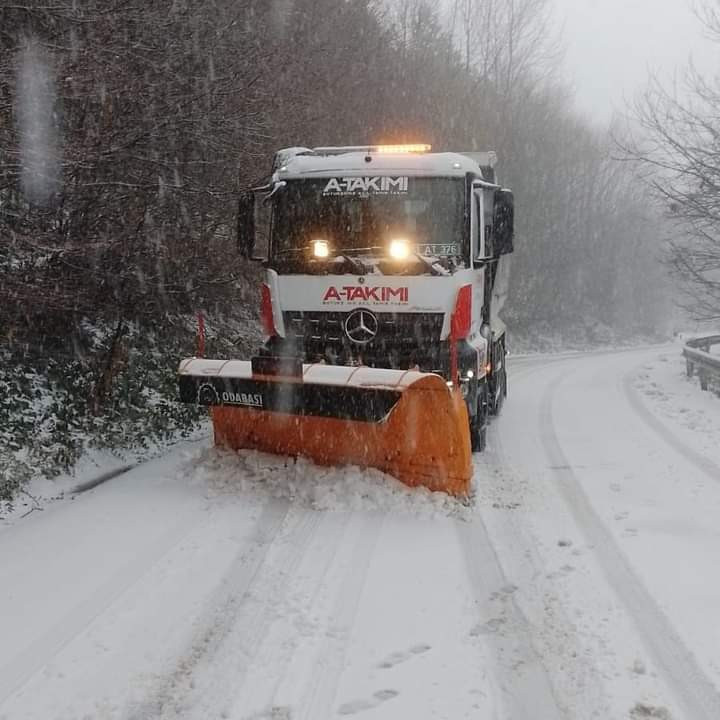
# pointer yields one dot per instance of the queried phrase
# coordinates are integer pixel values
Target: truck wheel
(478, 424)
(499, 385)
(500, 392)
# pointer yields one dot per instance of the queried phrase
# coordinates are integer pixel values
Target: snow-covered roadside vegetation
(47, 408)
(58, 407)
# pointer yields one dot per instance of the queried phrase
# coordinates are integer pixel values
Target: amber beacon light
(321, 248)
(412, 148)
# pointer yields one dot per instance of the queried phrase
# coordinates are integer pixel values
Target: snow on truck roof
(328, 162)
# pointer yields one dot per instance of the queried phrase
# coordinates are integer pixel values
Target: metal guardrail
(698, 359)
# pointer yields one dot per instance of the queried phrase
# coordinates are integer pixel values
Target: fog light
(470, 375)
(321, 249)
(399, 249)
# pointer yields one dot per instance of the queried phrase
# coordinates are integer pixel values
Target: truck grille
(403, 340)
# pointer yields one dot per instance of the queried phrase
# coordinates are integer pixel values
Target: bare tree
(677, 153)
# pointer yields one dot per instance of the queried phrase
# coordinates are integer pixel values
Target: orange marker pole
(201, 335)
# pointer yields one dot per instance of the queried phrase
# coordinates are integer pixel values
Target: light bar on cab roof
(412, 148)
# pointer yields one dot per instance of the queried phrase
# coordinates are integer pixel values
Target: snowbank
(257, 475)
(689, 412)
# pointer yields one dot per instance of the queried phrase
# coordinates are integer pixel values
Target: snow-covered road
(582, 582)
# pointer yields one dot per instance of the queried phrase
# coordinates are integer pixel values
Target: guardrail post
(699, 361)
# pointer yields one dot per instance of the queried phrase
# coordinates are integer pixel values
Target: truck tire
(499, 384)
(500, 392)
(479, 423)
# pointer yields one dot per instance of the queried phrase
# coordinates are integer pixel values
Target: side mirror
(246, 225)
(503, 222)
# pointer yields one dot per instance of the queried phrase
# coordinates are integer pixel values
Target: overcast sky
(612, 44)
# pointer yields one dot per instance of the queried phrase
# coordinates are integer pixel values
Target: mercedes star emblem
(361, 326)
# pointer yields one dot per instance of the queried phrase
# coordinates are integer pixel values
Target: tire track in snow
(537, 695)
(321, 697)
(546, 634)
(175, 693)
(529, 692)
(678, 665)
(553, 632)
(332, 540)
(42, 650)
(707, 466)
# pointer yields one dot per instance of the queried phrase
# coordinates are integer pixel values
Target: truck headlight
(399, 249)
(321, 248)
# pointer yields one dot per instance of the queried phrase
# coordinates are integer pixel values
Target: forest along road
(580, 583)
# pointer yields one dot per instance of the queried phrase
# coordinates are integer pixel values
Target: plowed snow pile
(260, 475)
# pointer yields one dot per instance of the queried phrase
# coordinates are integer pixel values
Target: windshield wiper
(358, 266)
(432, 263)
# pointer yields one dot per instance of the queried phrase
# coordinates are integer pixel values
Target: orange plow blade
(408, 424)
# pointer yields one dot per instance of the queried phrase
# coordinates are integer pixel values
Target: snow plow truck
(385, 272)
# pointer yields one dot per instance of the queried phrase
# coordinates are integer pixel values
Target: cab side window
(489, 247)
(478, 240)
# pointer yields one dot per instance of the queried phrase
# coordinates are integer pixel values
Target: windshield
(363, 214)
